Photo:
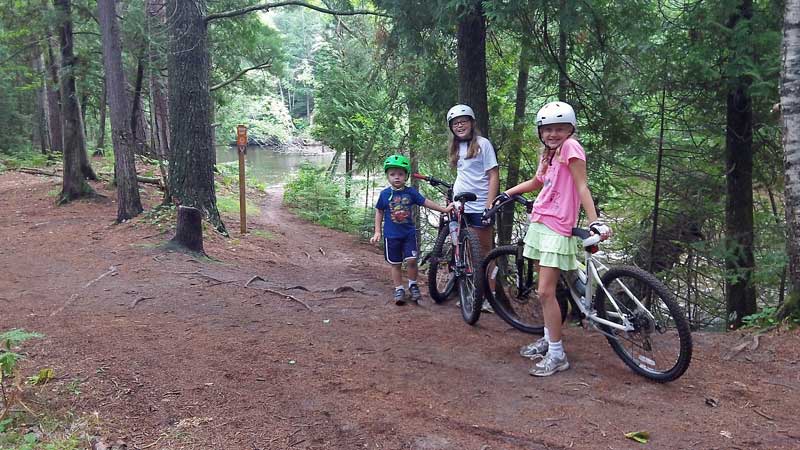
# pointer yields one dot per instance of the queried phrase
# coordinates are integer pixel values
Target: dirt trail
(173, 351)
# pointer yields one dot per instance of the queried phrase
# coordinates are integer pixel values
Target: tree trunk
(129, 204)
(192, 162)
(159, 110)
(563, 80)
(39, 135)
(138, 131)
(101, 137)
(471, 36)
(505, 226)
(53, 95)
(75, 160)
(739, 260)
(189, 230)
(790, 107)
(348, 172)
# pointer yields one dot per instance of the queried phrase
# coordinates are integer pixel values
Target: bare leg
(397, 274)
(548, 279)
(485, 239)
(411, 268)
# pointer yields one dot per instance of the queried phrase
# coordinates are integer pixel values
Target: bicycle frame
(591, 276)
(456, 216)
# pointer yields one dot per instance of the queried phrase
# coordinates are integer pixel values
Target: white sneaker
(535, 350)
(549, 365)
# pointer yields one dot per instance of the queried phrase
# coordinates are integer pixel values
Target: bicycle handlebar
(586, 236)
(433, 181)
(514, 198)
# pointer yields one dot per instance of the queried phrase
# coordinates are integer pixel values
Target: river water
(271, 167)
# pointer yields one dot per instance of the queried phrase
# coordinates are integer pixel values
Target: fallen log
(34, 171)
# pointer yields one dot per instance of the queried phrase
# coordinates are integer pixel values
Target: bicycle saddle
(465, 197)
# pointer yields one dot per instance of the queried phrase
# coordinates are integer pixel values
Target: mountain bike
(636, 312)
(456, 254)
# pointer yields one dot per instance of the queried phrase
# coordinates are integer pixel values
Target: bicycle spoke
(659, 344)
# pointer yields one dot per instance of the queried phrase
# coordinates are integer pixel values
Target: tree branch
(268, 6)
(230, 80)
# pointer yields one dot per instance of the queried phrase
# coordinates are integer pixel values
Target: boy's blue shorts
(397, 250)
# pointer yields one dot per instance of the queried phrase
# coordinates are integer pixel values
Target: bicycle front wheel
(510, 282)
(469, 286)
(660, 345)
(441, 272)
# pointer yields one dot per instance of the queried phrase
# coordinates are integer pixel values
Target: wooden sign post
(241, 142)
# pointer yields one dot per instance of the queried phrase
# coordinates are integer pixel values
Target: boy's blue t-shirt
(398, 221)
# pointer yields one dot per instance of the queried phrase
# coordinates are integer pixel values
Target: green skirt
(551, 248)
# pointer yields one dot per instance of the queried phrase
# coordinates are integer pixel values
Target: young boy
(399, 234)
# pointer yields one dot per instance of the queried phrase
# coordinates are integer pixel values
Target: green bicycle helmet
(397, 162)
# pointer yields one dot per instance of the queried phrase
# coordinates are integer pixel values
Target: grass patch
(230, 204)
(27, 432)
(163, 217)
(264, 234)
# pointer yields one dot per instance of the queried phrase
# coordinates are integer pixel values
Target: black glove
(599, 227)
(503, 197)
(487, 220)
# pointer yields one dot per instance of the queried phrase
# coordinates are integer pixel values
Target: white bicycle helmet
(556, 112)
(458, 111)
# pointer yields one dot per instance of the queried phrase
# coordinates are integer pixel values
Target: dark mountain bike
(636, 312)
(456, 254)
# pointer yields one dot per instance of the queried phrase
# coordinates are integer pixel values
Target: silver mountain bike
(635, 311)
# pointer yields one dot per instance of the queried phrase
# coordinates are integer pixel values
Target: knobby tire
(659, 349)
(469, 284)
(516, 303)
(441, 283)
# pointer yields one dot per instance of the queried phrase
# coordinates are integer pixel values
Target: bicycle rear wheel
(469, 286)
(510, 282)
(660, 345)
(441, 272)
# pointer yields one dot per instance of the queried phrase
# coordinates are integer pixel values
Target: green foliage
(52, 433)
(317, 198)
(266, 118)
(162, 216)
(27, 158)
(762, 319)
(9, 340)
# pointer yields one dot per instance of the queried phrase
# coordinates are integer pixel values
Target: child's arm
(494, 185)
(436, 207)
(378, 221)
(526, 186)
(577, 167)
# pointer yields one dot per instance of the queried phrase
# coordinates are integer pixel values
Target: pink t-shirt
(558, 203)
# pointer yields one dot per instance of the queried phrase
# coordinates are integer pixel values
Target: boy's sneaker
(534, 350)
(416, 295)
(399, 296)
(549, 365)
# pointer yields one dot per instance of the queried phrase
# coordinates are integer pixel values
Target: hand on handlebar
(599, 227)
(503, 197)
(487, 219)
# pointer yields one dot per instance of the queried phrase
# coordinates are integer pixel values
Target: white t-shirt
(472, 173)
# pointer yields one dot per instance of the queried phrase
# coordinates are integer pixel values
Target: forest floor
(164, 350)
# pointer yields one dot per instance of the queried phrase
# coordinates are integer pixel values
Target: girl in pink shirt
(561, 176)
